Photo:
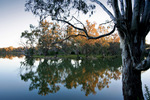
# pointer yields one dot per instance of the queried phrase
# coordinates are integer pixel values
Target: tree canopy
(58, 8)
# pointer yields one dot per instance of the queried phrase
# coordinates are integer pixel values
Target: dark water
(62, 79)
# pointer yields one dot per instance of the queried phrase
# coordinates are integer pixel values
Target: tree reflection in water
(89, 74)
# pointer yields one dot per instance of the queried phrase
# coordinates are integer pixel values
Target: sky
(14, 20)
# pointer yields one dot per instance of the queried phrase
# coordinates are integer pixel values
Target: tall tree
(132, 20)
(31, 39)
(30, 36)
(49, 33)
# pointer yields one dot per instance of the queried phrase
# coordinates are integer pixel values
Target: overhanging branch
(85, 31)
(105, 9)
(106, 22)
(103, 34)
(89, 37)
(81, 29)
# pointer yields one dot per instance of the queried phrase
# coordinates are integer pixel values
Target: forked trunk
(131, 78)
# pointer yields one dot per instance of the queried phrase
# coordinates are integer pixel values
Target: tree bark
(131, 78)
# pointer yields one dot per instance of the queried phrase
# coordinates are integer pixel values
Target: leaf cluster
(58, 8)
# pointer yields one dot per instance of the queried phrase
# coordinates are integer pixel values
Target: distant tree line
(10, 52)
(51, 39)
(11, 49)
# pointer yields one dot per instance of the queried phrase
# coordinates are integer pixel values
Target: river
(62, 79)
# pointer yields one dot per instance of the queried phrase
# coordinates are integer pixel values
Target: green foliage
(29, 52)
(52, 53)
(55, 8)
(31, 37)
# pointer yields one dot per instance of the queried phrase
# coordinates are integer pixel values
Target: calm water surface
(62, 79)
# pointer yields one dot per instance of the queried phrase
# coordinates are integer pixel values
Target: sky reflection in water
(63, 79)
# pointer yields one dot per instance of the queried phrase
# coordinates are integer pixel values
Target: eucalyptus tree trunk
(131, 78)
(133, 25)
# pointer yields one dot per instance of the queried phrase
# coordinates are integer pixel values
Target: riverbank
(76, 57)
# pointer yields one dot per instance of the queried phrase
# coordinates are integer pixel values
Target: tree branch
(128, 13)
(144, 65)
(81, 29)
(116, 9)
(136, 15)
(106, 22)
(85, 31)
(142, 5)
(103, 34)
(122, 7)
(105, 9)
(87, 36)
(145, 22)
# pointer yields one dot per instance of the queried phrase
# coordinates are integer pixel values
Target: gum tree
(132, 21)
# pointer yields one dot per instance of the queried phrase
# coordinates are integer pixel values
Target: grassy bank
(77, 57)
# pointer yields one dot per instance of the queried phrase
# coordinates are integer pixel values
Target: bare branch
(89, 37)
(105, 9)
(103, 34)
(144, 65)
(70, 19)
(81, 29)
(106, 22)
(78, 21)
(84, 30)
